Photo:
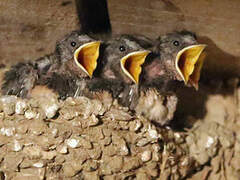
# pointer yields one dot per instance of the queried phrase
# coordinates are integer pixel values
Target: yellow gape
(189, 63)
(195, 76)
(86, 57)
(131, 64)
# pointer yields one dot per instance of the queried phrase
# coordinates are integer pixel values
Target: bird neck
(152, 71)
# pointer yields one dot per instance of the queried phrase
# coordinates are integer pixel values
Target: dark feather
(65, 85)
(20, 79)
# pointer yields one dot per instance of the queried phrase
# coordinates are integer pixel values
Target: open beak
(189, 63)
(86, 57)
(131, 64)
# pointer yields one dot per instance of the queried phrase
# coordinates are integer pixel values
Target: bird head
(80, 51)
(123, 59)
(179, 56)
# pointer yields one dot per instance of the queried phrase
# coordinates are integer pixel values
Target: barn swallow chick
(179, 57)
(75, 57)
(121, 66)
(176, 57)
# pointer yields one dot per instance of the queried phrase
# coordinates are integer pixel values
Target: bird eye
(176, 43)
(73, 44)
(122, 48)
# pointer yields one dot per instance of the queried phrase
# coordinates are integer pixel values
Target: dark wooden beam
(93, 16)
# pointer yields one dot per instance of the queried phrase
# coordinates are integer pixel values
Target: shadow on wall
(219, 67)
(192, 104)
(219, 64)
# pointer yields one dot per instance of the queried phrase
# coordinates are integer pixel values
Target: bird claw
(81, 84)
(130, 96)
(77, 93)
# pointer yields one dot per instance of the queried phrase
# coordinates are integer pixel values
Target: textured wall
(30, 28)
(217, 22)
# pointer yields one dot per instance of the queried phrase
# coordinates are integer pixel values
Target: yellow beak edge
(131, 64)
(189, 62)
(86, 57)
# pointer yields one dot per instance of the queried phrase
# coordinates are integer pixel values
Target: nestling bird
(179, 57)
(75, 56)
(120, 66)
(176, 57)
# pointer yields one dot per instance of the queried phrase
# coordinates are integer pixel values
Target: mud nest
(98, 139)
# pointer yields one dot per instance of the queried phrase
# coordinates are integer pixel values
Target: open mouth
(86, 57)
(189, 62)
(131, 64)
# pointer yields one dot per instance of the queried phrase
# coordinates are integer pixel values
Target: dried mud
(94, 139)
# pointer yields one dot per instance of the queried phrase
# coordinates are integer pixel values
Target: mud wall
(29, 28)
